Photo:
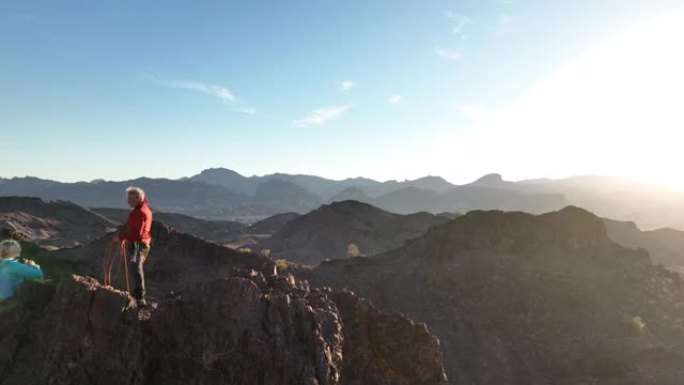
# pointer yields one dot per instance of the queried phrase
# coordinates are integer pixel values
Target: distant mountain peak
(220, 171)
(490, 180)
(351, 193)
(432, 178)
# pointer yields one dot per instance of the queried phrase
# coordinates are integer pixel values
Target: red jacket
(139, 224)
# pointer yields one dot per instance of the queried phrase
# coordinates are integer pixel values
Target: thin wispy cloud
(347, 85)
(246, 110)
(460, 22)
(322, 115)
(220, 92)
(451, 55)
(394, 99)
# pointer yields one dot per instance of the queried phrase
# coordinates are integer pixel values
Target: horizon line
(542, 178)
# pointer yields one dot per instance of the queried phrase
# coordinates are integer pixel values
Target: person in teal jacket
(13, 272)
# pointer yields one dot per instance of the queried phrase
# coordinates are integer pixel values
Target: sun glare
(617, 109)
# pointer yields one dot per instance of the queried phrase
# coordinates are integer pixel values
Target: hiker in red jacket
(137, 239)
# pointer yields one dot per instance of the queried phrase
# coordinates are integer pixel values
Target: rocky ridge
(248, 328)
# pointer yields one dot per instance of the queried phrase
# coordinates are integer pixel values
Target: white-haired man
(138, 238)
(14, 272)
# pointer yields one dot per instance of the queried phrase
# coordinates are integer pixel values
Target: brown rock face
(231, 332)
(84, 336)
(375, 354)
(245, 329)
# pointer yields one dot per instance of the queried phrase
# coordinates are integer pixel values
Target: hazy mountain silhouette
(467, 198)
(351, 194)
(286, 196)
(181, 196)
(324, 188)
(491, 181)
(650, 206)
(225, 194)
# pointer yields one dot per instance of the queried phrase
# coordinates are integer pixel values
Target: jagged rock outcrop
(245, 329)
(375, 354)
(82, 336)
(521, 299)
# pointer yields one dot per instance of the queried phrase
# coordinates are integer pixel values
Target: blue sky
(376, 88)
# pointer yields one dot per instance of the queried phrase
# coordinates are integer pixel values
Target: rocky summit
(177, 260)
(244, 329)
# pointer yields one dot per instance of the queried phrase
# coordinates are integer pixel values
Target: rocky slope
(272, 224)
(246, 329)
(220, 232)
(328, 231)
(51, 223)
(523, 299)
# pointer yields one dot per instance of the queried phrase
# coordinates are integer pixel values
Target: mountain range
(223, 194)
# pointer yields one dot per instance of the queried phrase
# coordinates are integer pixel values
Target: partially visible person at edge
(137, 238)
(14, 272)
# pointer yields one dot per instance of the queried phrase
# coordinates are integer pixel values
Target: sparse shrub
(353, 251)
(282, 264)
(245, 250)
(266, 252)
(634, 324)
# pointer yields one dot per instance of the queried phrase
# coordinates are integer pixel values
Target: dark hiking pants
(138, 253)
